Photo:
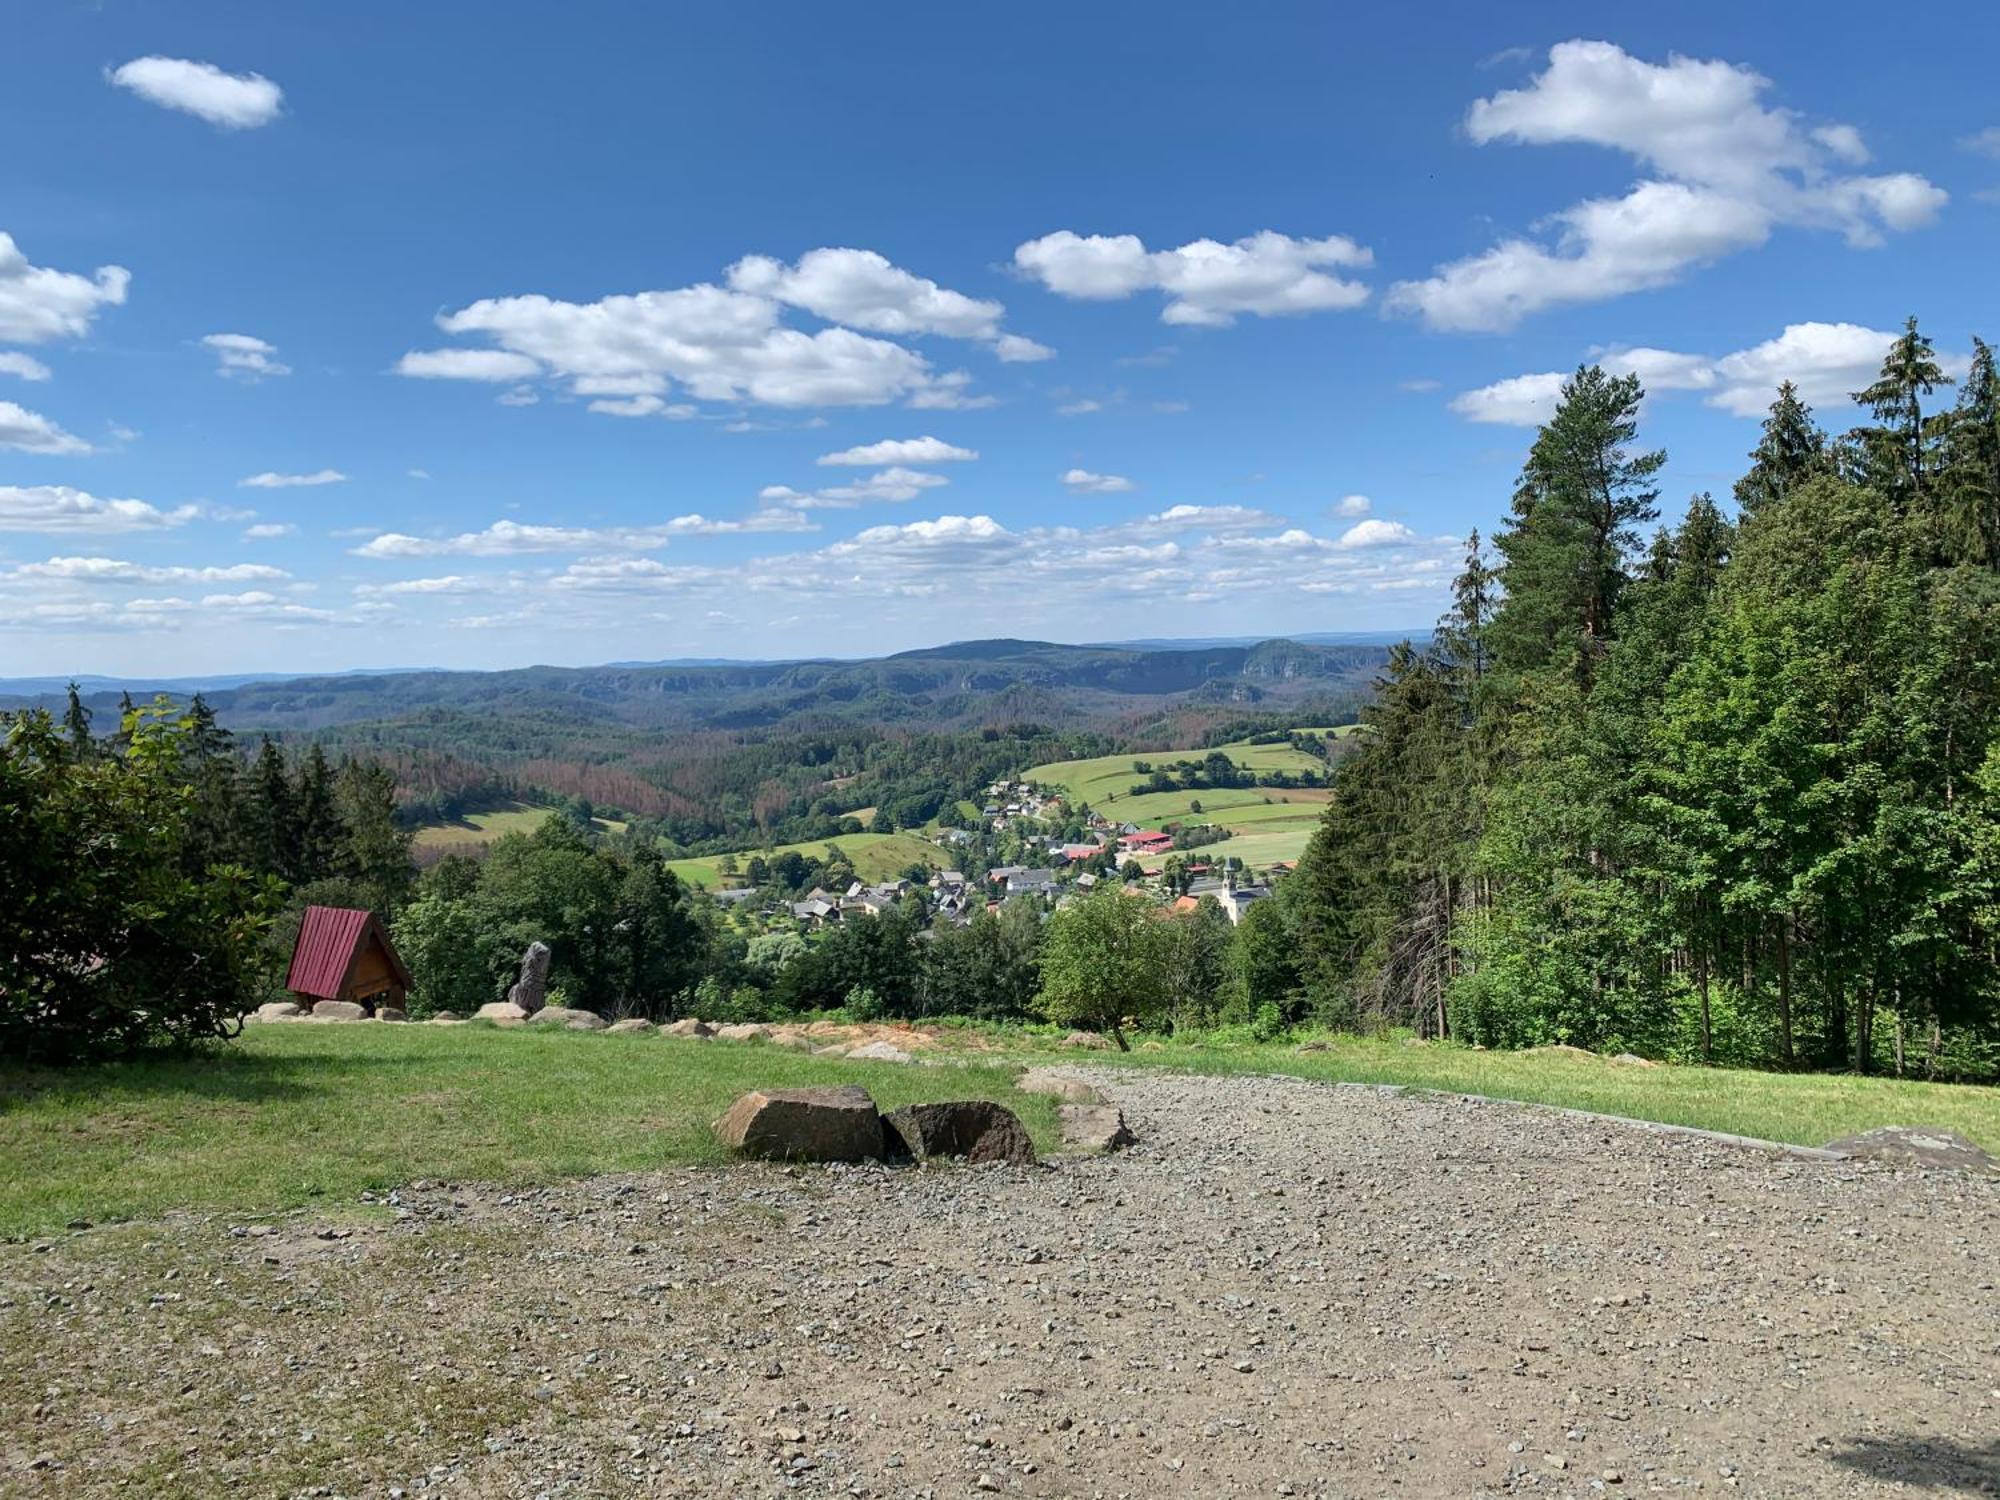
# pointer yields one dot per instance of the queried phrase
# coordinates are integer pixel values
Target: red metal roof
(330, 939)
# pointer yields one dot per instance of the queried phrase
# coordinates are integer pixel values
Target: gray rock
(446, 1018)
(1096, 1127)
(1918, 1146)
(390, 1013)
(568, 1016)
(745, 1032)
(632, 1024)
(976, 1129)
(836, 1050)
(817, 1124)
(689, 1026)
(1073, 1090)
(880, 1052)
(502, 1012)
(531, 990)
(338, 1010)
(277, 1010)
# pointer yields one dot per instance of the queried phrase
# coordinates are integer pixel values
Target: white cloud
(240, 356)
(862, 289)
(266, 531)
(513, 538)
(496, 365)
(1083, 482)
(24, 366)
(58, 508)
(271, 481)
(450, 584)
(1376, 533)
(1080, 408)
(947, 392)
(38, 304)
(638, 406)
(418, 473)
(1726, 172)
(918, 450)
(117, 570)
(1826, 361)
(1984, 142)
(234, 101)
(895, 483)
(31, 432)
(1013, 349)
(519, 396)
(1206, 283)
(1353, 505)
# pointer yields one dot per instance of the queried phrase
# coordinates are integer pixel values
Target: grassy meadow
(875, 856)
(475, 830)
(288, 1116)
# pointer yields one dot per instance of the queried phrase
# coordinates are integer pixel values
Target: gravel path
(1287, 1289)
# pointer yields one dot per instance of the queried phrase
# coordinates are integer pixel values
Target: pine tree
(1969, 464)
(320, 836)
(272, 814)
(1582, 497)
(1792, 450)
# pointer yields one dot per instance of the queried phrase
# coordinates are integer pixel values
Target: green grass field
(480, 828)
(875, 856)
(294, 1115)
(1806, 1109)
(1106, 781)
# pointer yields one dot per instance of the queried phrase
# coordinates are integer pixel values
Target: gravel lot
(1286, 1289)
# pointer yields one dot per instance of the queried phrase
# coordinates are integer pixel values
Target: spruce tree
(1970, 464)
(76, 724)
(1895, 452)
(1792, 450)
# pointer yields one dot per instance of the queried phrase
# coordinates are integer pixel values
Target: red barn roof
(330, 939)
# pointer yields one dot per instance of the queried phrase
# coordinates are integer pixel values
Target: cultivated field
(1108, 779)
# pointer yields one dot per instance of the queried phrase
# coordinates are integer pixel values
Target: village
(1070, 867)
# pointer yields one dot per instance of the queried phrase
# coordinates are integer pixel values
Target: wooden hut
(343, 953)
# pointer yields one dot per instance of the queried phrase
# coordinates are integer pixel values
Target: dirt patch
(1285, 1289)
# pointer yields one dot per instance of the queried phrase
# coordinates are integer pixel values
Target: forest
(1727, 792)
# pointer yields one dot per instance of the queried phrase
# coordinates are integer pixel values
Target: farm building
(343, 953)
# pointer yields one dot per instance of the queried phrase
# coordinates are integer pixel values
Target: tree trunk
(1707, 1021)
(1785, 988)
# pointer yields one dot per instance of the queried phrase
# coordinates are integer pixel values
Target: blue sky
(476, 335)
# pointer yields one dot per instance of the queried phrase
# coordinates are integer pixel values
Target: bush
(108, 945)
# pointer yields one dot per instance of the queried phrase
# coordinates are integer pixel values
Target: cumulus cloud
(117, 570)
(240, 356)
(1376, 533)
(233, 101)
(1725, 172)
(1013, 349)
(1353, 505)
(497, 365)
(895, 483)
(1083, 482)
(55, 508)
(31, 432)
(1984, 142)
(729, 343)
(449, 584)
(1826, 361)
(38, 304)
(1206, 283)
(513, 538)
(22, 365)
(918, 450)
(273, 481)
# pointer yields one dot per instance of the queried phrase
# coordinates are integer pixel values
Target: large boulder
(1070, 1090)
(976, 1129)
(338, 1010)
(391, 1013)
(569, 1017)
(1096, 1127)
(689, 1026)
(632, 1023)
(817, 1124)
(531, 990)
(1917, 1146)
(880, 1052)
(748, 1031)
(501, 1013)
(276, 1010)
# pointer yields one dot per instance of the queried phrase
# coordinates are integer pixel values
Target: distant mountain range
(967, 682)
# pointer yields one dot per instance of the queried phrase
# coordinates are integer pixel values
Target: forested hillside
(1728, 791)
